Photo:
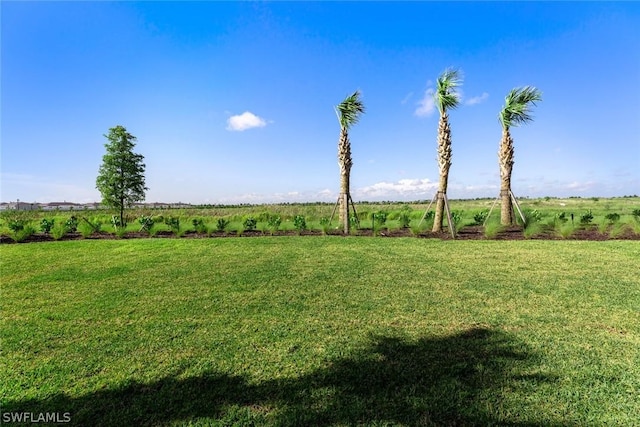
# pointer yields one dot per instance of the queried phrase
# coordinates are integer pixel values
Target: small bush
(612, 217)
(199, 226)
(586, 218)
(46, 225)
(299, 223)
(71, 224)
(249, 224)
(95, 224)
(16, 225)
(636, 214)
(404, 217)
(146, 223)
(404, 220)
(274, 222)
(23, 233)
(222, 224)
(380, 217)
(562, 217)
(116, 223)
(354, 222)
(532, 216)
(480, 217)
(456, 218)
(173, 223)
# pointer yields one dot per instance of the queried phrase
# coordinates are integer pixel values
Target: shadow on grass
(456, 380)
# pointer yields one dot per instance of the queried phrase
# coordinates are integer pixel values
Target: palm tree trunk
(505, 156)
(345, 162)
(444, 163)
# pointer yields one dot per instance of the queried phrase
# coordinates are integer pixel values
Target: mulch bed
(466, 233)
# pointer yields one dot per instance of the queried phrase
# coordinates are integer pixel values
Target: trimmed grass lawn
(322, 331)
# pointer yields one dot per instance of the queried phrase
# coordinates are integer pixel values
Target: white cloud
(406, 98)
(477, 99)
(244, 121)
(403, 188)
(427, 105)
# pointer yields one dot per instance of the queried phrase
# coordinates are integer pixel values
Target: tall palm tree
(516, 111)
(446, 98)
(348, 112)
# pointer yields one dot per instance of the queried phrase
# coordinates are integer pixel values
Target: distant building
(22, 206)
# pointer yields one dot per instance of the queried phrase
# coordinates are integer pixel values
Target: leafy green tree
(121, 175)
(516, 111)
(348, 112)
(446, 98)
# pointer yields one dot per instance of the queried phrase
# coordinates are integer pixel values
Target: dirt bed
(466, 233)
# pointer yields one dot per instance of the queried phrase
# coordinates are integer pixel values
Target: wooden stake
(428, 207)
(452, 227)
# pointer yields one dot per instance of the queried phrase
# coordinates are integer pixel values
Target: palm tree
(516, 111)
(446, 98)
(348, 112)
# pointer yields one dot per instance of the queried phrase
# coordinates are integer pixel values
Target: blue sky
(233, 102)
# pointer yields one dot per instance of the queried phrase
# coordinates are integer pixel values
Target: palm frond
(349, 110)
(446, 97)
(517, 106)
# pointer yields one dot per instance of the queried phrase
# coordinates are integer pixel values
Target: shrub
(586, 218)
(222, 224)
(480, 217)
(199, 226)
(264, 217)
(612, 217)
(116, 223)
(404, 219)
(532, 216)
(16, 225)
(46, 225)
(379, 218)
(95, 224)
(456, 217)
(562, 217)
(146, 223)
(354, 222)
(299, 223)
(249, 223)
(636, 214)
(71, 224)
(274, 222)
(173, 223)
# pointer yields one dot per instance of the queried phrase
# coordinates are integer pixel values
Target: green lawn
(322, 331)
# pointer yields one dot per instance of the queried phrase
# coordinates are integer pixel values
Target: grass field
(322, 331)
